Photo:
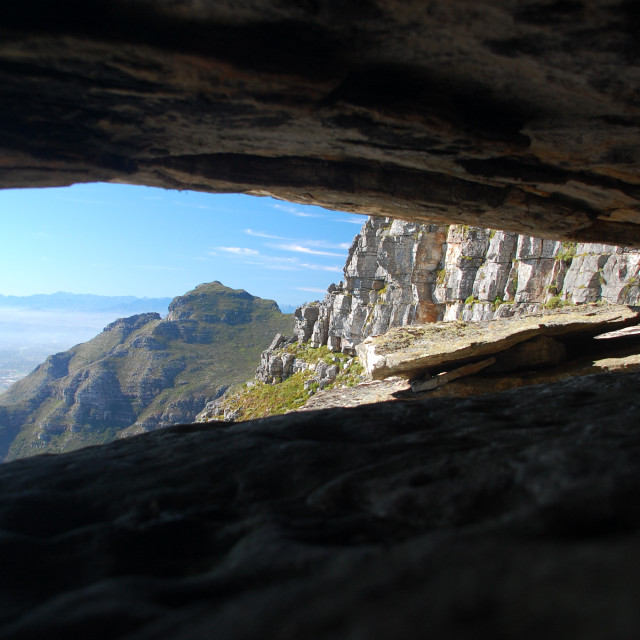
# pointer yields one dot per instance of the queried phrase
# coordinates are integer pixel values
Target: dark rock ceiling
(518, 115)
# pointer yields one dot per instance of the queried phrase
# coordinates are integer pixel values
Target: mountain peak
(214, 302)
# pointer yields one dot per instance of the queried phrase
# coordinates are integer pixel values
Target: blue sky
(127, 240)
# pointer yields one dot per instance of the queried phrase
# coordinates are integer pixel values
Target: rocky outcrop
(277, 363)
(141, 373)
(412, 351)
(389, 279)
(510, 115)
(402, 273)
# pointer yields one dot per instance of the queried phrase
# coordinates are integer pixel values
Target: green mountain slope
(140, 373)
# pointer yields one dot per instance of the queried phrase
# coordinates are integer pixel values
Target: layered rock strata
(511, 115)
(401, 273)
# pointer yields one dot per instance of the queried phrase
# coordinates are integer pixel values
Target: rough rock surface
(276, 364)
(410, 351)
(508, 516)
(389, 280)
(502, 114)
(400, 273)
(487, 274)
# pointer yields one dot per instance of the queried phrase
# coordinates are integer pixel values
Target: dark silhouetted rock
(508, 516)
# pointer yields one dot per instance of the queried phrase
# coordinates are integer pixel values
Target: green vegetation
(442, 274)
(259, 400)
(556, 302)
(567, 253)
(471, 300)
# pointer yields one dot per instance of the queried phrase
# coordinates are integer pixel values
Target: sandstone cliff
(140, 373)
(401, 273)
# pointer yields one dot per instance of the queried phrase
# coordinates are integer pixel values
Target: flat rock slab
(368, 392)
(410, 351)
(515, 515)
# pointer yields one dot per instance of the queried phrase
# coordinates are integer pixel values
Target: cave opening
(513, 514)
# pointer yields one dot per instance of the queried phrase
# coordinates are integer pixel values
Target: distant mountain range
(34, 327)
(141, 373)
(64, 301)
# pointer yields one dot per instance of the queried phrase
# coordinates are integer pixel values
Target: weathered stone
(448, 376)
(511, 516)
(410, 351)
(366, 392)
(305, 319)
(400, 273)
(512, 116)
(278, 340)
(542, 351)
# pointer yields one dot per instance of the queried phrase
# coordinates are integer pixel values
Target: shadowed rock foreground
(508, 516)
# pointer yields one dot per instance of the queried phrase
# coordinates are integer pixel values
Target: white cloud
(311, 289)
(291, 264)
(278, 263)
(324, 244)
(262, 234)
(306, 214)
(359, 221)
(318, 267)
(297, 248)
(238, 251)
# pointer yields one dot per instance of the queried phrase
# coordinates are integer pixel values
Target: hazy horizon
(110, 239)
(29, 335)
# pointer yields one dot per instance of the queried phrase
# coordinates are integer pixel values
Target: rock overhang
(520, 116)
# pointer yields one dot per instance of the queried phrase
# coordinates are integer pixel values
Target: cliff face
(400, 273)
(140, 373)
